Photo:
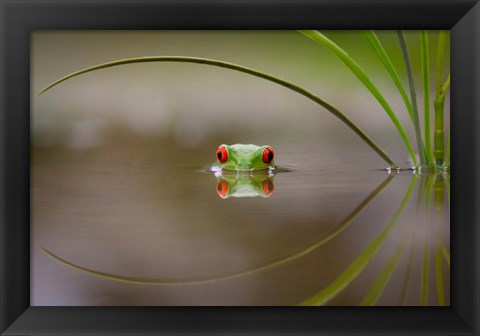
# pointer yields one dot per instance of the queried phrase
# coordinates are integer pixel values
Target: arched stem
(332, 109)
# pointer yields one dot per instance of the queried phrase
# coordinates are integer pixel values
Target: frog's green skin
(245, 157)
(244, 185)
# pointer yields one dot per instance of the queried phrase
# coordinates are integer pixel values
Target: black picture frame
(20, 17)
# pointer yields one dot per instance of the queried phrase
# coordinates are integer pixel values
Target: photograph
(240, 168)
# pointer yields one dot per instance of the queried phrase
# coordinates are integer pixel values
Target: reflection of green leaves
(164, 282)
(363, 77)
(425, 268)
(424, 276)
(435, 186)
(439, 198)
(445, 252)
(374, 293)
(439, 275)
(332, 109)
(406, 281)
(359, 264)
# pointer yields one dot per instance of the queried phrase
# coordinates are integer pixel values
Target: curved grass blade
(425, 57)
(363, 77)
(164, 282)
(413, 95)
(332, 109)
(379, 50)
(359, 264)
(374, 293)
(446, 85)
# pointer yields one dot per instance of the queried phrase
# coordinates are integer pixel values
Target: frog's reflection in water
(243, 184)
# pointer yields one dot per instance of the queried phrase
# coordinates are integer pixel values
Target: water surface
(144, 211)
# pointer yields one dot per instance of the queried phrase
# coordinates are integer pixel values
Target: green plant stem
(439, 102)
(363, 77)
(424, 53)
(379, 50)
(439, 132)
(359, 264)
(446, 162)
(413, 95)
(332, 109)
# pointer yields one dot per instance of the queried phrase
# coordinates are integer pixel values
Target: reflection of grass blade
(406, 282)
(332, 109)
(363, 77)
(445, 252)
(374, 293)
(438, 194)
(387, 63)
(424, 280)
(424, 54)
(439, 214)
(424, 276)
(359, 264)
(413, 95)
(160, 282)
(439, 276)
(447, 181)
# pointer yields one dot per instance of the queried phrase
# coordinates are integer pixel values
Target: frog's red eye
(267, 187)
(268, 155)
(222, 154)
(222, 188)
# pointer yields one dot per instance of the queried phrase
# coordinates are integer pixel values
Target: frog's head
(245, 157)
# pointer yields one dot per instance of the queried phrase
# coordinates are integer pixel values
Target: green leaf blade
(363, 77)
(379, 50)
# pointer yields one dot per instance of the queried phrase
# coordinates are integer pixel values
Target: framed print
(227, 167)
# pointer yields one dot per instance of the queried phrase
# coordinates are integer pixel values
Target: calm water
(137, 221)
